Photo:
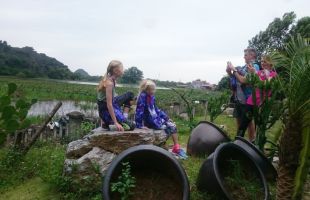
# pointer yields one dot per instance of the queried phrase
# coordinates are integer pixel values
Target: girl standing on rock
(148, 115)
(109, 105)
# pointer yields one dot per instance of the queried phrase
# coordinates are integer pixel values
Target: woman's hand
(119, 127)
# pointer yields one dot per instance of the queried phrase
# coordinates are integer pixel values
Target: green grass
(32, 189)
(44, 160)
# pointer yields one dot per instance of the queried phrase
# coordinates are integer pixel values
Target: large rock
(96, 160)
(87, 159)
(78, 148)
(117, 142)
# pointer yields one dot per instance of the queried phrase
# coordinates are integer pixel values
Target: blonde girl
(148, 115)
(110, 105)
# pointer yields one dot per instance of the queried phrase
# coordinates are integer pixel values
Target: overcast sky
(178, 40)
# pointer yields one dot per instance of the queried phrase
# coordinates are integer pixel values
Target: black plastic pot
(147, 157)
(262, 161)
(204, 139)
(211, 175)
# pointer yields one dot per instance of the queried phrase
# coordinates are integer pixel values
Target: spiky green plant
(270, 110)
(294, 144)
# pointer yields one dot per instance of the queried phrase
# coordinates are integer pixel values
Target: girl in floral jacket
(148, 115)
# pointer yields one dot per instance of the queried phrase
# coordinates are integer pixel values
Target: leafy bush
(13, 112)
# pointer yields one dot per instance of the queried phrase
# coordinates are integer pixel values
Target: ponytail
(112, 65)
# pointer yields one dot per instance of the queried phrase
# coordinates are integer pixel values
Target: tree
(26, 61)
(224, 83)
(132, 75)
(275, 36)
(302, 27)
(294, 152)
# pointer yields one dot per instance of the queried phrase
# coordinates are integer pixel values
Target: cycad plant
(270, 110)
(294, 149)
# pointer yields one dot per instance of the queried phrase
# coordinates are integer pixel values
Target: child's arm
(140, 111)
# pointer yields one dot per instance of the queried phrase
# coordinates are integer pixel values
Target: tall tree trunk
(290, 146)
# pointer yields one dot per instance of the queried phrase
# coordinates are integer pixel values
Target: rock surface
(117, 142)
(78, 148)
(87, 159)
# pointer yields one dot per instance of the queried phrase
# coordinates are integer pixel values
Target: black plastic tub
(215, 170)
(204, 139)
(144, 160)
(262, 161)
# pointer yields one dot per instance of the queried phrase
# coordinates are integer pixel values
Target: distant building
(199, 84)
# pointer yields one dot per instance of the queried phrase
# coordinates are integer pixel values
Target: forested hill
(26, 62)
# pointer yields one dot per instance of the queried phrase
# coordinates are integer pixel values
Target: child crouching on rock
(109, 105)
(148, 115)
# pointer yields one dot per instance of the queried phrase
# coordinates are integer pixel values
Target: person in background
(110, 105)
(242, 91)
(265, 74)
(148, 115)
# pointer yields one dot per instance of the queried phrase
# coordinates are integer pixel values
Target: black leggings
(124, 99)
(246, 116)
(121, 100)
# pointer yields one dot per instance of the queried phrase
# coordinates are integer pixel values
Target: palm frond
(295, 79)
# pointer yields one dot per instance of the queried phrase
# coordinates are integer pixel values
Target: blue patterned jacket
(148, 114)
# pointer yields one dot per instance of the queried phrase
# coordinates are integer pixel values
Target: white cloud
(174, 39)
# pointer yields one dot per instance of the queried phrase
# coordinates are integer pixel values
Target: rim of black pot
(116, 161)
(216, 127)
(271, 167)
(218, 150)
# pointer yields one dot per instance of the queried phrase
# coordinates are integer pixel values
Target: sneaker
(125, 126)
(180, 153)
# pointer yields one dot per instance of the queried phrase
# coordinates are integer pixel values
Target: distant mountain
(26, 62)
(82, 73)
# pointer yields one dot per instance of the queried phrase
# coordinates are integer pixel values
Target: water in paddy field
(41, 108)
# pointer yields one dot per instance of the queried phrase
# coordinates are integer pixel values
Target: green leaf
(22, 114)
(11, 88)
(21, 103)
(304, 163)
(4, 101)
(8, 112)
(2, 137)
(12, 125)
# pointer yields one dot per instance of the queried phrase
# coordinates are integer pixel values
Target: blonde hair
(112, 65)
(267, 58)
(146, 84)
